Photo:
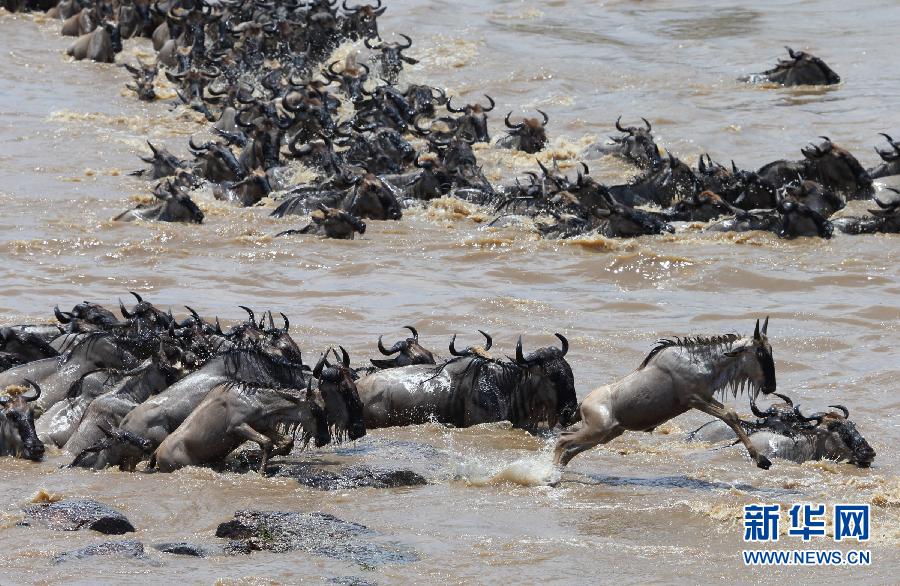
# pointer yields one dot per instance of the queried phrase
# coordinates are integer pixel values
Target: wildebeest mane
(693, 344)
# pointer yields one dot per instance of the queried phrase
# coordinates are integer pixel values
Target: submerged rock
(317, 533)
(181, 548)
(128, 548)
(78, 514)
(353, 477)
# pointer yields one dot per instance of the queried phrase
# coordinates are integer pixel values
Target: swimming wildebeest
(801, 69)
(473, 388)
(677, 375)
(17, 434)
(636, 146)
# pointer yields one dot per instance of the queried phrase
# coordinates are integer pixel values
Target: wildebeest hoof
(128, 548)
(181, 548)
(763, 462)
(77, 514)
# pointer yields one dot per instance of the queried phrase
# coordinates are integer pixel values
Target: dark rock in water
(128, 548)
(78, 514)
(353, 477)
(181, 548)
(351, 581)
(317, 533)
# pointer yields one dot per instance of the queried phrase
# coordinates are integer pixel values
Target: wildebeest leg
(248, 433)
(597, 427)
(720, 411)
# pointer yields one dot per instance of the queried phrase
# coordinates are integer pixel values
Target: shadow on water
(676, 481)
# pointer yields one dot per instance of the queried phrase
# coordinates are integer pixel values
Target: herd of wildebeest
(262, 74)
(116, 390)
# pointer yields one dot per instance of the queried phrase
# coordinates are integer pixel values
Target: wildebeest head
(798, 219)
(472, 125)
(755, 354)
(841, 439)
(530, 135)
(836, 169)
(392, 57)
(351, 78)
(163, 163)
(176, 205)
(819, 199)
(472, 350)
(17, 430)
(362, 21)
(549, 372)
(144, 76)
(702, 207)
(637, 144)
(748, 190)
(372, 199)
(890, 158)
(422, 98)
(407, 351)
(342, 403)
(145, 314)
(801, 69)
(86, 316)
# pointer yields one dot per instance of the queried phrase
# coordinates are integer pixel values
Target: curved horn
(125, 312)
(791, 52)
(619, 126)
(844, 409)
(649, 128)
(393, 350)
(317, 371)
(488, 340)
(565, 343)
(546, 118)
(287, 324)
(453, 349)
(413, 331)
(816, 417)
(785, 398)
(755, 409)
(520, 359)
(452, 109)
(61, 316)
(195, 314)
(408, 42)
(136, 296)
(345, 357)
(249, 312)
(509, 124)
(37, 390)
(493, 103)
(765, 327)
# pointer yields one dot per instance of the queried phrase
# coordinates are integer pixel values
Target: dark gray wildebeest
(331, 223)
(473, 388)
(677, 376)
(885, 219)
(789, 219)
(472, 125)
(162, 163)
(667, 182)
(173, 205)
(798, 438)
(160, 415)
(407, 351)
(233, 413)
(529, 135)
(101, 45)
(392, 58)
(636, 146)
(99, 400)
(890, 160)
(801, 69)
(18, 437)
(25, 346)
(80, 353)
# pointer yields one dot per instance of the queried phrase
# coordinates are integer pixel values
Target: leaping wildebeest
(678, 375)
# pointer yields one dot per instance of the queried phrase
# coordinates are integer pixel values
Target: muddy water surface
(647, 507)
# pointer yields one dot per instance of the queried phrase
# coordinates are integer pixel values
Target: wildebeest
(392, 57)
(473, 388)
(636, 146)
(801, 69)
(233, 413)
(407, 351)
(676, 376)
(101, 45)
(885, 219)
(836, 169)
(18, 437)
(472, 125)
(332, 223)
(174, 205)
(663, 184)
(890, 160)
(789, 219)
(163, 163)
(821, 436)
(529, 135)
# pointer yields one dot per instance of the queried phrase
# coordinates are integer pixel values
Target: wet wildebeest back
(472, 388)
(801, 69)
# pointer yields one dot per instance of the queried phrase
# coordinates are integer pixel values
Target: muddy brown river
(646, 508)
